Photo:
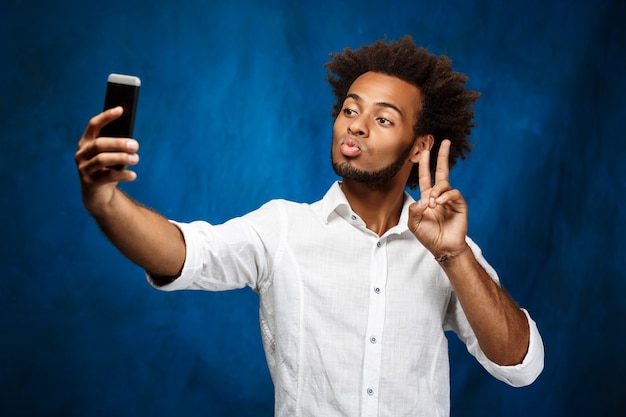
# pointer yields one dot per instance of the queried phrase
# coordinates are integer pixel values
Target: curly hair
(447, 104)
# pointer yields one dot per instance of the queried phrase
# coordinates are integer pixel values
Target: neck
(379, 207)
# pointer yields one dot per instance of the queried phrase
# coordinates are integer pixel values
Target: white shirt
(352, 323)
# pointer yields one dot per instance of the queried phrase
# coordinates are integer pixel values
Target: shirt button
(353, 217)
(373, 340)
(370, 391)
(377, 290)
(379, 244)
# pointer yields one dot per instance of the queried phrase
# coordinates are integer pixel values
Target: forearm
(499, 324)
(142, 235)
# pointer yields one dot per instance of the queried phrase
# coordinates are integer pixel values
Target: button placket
(375, 321)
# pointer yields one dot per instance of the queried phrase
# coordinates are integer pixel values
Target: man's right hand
(141, 234)
(96, 158)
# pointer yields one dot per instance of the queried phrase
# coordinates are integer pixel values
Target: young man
(357, 289)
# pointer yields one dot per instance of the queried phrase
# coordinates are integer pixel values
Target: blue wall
(234, 110)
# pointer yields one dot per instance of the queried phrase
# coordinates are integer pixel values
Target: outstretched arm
(439, 221)
(145, 237)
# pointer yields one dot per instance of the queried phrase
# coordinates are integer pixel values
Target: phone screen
(122, 90)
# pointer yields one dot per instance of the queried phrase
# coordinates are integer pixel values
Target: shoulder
(278, 210)
(280, 205)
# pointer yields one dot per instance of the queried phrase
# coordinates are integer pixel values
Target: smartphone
(122, 90)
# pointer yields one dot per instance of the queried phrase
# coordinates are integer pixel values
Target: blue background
(234, 110)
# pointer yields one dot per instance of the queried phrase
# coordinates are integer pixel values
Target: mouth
(350, 148)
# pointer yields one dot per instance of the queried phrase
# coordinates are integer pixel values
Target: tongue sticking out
(349, 148)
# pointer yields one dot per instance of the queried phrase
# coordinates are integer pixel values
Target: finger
(103, 168)
(108, 176)
(423, 171)
(97, 122)
(442, 172)
(451, 197)
(90, 149)
(108, 160)
(102, 152)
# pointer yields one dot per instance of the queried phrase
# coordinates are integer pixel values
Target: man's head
(373, 136)
(446, 107)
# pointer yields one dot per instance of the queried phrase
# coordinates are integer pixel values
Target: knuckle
(100, 159)
(94, 121)
(99, 145)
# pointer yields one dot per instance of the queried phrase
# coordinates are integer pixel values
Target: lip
(350, 147)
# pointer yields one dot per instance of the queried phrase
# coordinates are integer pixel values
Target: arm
(500, 326)
(439, 221)
(145, 237)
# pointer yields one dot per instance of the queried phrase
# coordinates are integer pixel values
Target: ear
(422, 143)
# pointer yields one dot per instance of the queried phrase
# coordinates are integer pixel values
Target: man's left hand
(439, 218)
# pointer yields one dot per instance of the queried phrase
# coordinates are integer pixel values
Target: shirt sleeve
(519, 375)
(220, 257)
(524, 373)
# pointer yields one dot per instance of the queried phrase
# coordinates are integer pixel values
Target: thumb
(416, 212)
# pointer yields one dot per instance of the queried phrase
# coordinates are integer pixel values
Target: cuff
(526, 372)
(192, 265)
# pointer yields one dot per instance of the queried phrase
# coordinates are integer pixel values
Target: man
(357, 289)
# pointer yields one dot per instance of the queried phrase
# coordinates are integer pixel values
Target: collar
(335, 202)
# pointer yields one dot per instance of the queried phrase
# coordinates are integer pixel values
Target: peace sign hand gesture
(439, 218)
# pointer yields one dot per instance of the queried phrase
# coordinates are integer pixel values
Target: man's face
(373, 134)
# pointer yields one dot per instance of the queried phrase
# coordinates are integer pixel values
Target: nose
(358, 127)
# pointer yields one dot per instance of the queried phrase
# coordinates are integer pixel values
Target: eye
(348, 111)
(384, 121)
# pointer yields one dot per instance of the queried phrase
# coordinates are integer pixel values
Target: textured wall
(234, 110)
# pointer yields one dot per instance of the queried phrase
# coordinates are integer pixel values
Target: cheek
(392, 147)
(337, 129)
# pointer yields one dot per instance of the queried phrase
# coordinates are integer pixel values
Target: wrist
(448, 256)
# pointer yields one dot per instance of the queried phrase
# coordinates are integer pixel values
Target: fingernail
(133, 158)
(432, 202)
(132, 145)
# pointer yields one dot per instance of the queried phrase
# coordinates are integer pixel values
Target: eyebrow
(379, 103)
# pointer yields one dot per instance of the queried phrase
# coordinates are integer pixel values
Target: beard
(375, 180)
